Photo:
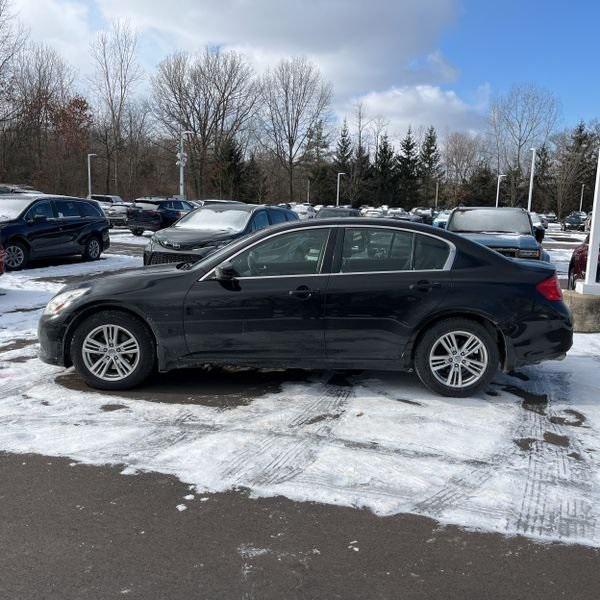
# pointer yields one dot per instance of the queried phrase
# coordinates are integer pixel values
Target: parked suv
(44, 226)
(508, 231)
(574, 222)
(202, 231)
(154, 214)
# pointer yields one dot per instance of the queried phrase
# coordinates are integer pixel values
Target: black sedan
(206, 229)
(43, 226)
(574, 222)
(339, 294)
(154, 214)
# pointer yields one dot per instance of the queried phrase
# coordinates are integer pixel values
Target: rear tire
(93, 249)
(137, 232)
(16, 257)
(113, 350)
(456, 357)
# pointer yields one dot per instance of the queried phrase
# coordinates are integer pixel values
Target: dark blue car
(508, 231)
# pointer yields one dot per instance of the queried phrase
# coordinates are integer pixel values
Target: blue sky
(412, 62)
(552, 43)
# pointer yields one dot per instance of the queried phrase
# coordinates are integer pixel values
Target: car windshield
(211, 218)
(490, 221)
(11, 208)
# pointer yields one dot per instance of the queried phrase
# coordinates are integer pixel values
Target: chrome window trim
(447, 265)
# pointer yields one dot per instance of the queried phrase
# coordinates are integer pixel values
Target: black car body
(44, 226)
(508, 231)
(574, 222)
(206, 229)
(154, 214)
(345, 293)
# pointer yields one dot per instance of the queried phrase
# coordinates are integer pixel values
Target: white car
(374, 213)
(304, 211)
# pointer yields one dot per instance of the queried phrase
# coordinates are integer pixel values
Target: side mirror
(225, 272)
(539, 234)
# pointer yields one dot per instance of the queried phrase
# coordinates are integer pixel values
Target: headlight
(62, 300)
(528, 254)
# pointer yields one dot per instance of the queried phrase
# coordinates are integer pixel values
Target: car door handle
(425, 286)
(303, 292)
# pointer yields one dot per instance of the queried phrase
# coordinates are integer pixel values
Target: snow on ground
(24, 294)
(520, 458)
(124, 236)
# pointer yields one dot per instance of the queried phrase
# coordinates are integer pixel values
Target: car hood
(180, 238)
(503, 240)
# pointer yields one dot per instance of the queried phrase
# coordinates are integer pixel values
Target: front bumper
(51, 336)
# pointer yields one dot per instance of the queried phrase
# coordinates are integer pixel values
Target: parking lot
(248, 483)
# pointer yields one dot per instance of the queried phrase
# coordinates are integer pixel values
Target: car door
(273, 309)
(71, 225)
(43, 230)
(384, 282)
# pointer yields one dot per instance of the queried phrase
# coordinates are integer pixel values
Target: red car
(578, 264)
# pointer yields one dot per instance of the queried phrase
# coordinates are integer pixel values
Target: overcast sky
(416, 62)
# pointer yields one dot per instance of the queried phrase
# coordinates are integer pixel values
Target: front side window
(368, 250)
(294, 253)
(260, 221)
(66, 208)
(41, 209)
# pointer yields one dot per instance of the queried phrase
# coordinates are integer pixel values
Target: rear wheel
(92, 250)
(137, 232)
(16, 257)
(112, 350)
(456, 357)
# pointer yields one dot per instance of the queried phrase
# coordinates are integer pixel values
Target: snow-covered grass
(124, 236)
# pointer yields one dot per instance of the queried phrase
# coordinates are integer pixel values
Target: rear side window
(66, 208)
(277, 216)
(291, 216)
(369, 250)
(88, 209)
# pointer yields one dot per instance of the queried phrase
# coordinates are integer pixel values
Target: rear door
(384, 282)
(71, 224)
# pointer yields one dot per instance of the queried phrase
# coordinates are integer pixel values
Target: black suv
(204, 230)
(154, 214)
(43, 226)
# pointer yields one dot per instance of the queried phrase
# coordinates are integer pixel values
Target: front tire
(113, 350)
(16, 257)
(456, 358)
(137, 232)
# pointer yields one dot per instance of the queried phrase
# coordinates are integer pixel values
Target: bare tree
(462, 153)
(12, 41)
(117, 73)
(523, 118)
(295, 98)
(213, 95)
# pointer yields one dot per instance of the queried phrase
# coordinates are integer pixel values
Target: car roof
(494, 208)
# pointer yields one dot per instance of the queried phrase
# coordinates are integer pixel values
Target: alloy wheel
(110, 352)
(94, 249)
(458, 359)
(14, 257)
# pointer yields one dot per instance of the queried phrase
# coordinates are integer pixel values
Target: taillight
(550, 288)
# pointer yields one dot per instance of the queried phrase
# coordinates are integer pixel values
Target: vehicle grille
(510, 252)
(161, 258)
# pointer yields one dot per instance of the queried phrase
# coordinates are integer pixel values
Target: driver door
(274, 307)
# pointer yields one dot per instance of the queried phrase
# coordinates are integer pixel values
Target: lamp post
(531, 180)
(308, 191)
(181, 161)
(89, 165)
(437, 193)
(500, 177)
(339, 176)
(581, 197)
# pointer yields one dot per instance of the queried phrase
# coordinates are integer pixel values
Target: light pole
(437, 193)
(581, 198)
(500, 177)
(89, 161)
(308, 191)
(339, 176)
(181, 161)
(531, 180)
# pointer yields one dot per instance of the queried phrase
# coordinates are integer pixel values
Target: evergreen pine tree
(408, 164)
(430, 169)
(342, 160)
(385, 173)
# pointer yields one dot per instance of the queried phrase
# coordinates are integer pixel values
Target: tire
(571, 281)
(132, 333)
(137, 232)
(16, 257)
(431, 349)
(93, 249)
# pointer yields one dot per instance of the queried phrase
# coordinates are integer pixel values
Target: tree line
(269, 137)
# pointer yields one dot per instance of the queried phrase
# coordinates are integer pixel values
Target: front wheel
(113, 350)
(16, 257)
(456, 358)
(137, 232)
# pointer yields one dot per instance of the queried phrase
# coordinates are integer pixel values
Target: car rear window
(88, 209)
(147, 205)
(66, 208)
(277, 216)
